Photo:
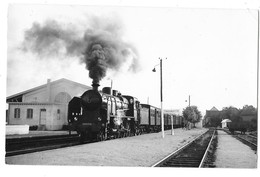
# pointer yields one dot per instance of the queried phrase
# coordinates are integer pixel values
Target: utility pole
(162, 117)
(111, 87)
(161, 93)
(258, 15)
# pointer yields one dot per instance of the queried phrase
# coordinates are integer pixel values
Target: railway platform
(143, 150)
(231, 153)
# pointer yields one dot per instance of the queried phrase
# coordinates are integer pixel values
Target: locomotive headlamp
(75, 118)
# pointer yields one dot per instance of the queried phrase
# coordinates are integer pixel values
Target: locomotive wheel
(129, 133)
(125, 134)
(101, 136)
(137, 132)
(82, 137)
(117, 135)
(121, 134)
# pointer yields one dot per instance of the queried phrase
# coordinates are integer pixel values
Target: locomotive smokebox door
(91, 100)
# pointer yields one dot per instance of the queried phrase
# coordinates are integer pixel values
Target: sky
(211, 52)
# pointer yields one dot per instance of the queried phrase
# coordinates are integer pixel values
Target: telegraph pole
(161, 93)
(258, 15)
(162, 117)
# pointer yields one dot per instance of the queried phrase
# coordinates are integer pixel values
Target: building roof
(226, 120)
(43, 86)
(214, 109)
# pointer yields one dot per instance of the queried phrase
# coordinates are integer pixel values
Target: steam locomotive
(101, 115)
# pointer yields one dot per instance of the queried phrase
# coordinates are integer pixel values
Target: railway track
(193, 154)
(247, 139)
(17, 146)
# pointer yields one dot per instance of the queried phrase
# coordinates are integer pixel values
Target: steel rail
(27, 145)
(38, 149)
(252, 136)
(247, 140)
(178, 150)
(206, 152)
(238, 136)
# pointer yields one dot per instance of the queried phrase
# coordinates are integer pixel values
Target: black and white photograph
(131, 85)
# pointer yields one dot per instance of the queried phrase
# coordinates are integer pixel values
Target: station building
(211, 114)
(45, 106)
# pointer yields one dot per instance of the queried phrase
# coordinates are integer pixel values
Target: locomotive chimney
(95, 85)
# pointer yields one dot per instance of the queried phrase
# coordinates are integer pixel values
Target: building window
(58, 114)
(29, 113)
(17, 113)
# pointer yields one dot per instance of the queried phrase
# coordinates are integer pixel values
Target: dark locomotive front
(93, 118)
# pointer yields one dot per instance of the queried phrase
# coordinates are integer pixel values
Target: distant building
(176, 112)
(225, 122)
(45, 106)
(211, 114)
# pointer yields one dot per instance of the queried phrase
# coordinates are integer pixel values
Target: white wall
(53, 121)
(37, 100)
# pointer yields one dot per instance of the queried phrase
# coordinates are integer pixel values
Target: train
(107, 114)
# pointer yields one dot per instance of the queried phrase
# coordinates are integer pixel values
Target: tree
(231, 113)
(248, 110)
(191, 114)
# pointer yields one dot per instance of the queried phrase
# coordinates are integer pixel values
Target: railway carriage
(152, 118)
(158, 120)
(148, 118)
(165, 121)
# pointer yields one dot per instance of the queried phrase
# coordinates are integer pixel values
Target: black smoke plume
(100, 46)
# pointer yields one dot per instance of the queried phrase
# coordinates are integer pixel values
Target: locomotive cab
(133, 113)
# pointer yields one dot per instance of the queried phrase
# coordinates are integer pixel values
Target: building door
(43, 117)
